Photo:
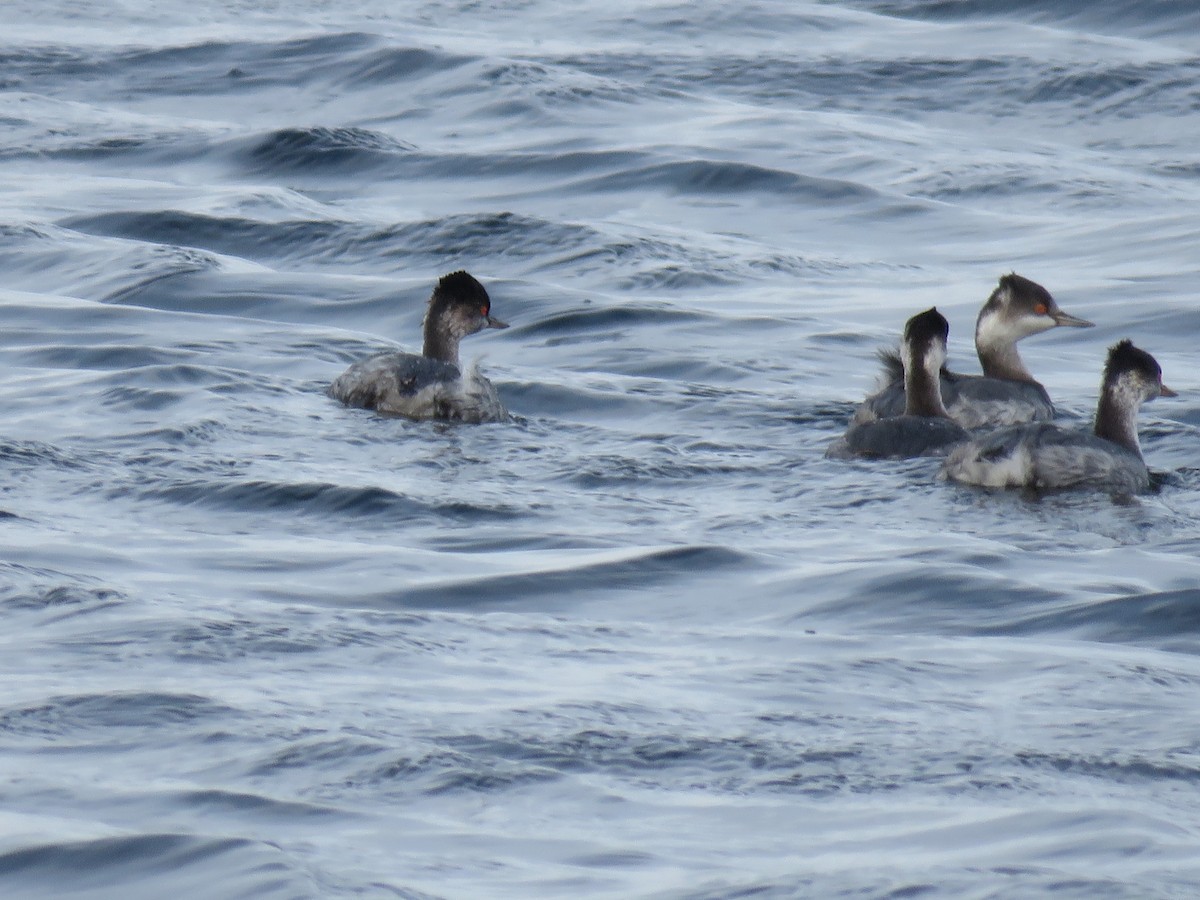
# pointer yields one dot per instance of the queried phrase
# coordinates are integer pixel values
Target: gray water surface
(643, 640)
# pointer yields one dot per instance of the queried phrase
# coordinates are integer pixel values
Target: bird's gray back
(1046, 457)
(384, 381)
(973, 401)
(900, 437)
(418, 387)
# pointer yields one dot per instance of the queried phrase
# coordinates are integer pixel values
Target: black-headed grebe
(1045, 457)
(1006, 393)
(925, 428)
(431, 386)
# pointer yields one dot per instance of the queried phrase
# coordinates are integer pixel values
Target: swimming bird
(1046, 457)
(925, 428)
(1006, 393)
(431, 385)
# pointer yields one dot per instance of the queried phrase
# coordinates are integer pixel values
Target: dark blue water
(644, 640)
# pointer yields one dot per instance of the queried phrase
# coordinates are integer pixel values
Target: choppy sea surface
(643, 640)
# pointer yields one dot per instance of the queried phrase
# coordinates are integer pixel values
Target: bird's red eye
(1041, 309)
(484, 310)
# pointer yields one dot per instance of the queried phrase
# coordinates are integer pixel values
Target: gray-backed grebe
(1006, 394)
(925, 428)
(431, 386)
(1045, 457)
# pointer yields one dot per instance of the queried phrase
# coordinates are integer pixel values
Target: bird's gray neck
(1116, 418)
(922, 386)
(441, 341)
(996, 345)
(1003, 362)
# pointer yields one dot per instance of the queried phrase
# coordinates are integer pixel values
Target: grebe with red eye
(1006, 393)
(431, 386)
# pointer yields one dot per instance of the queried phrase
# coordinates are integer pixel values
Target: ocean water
(644, 640)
